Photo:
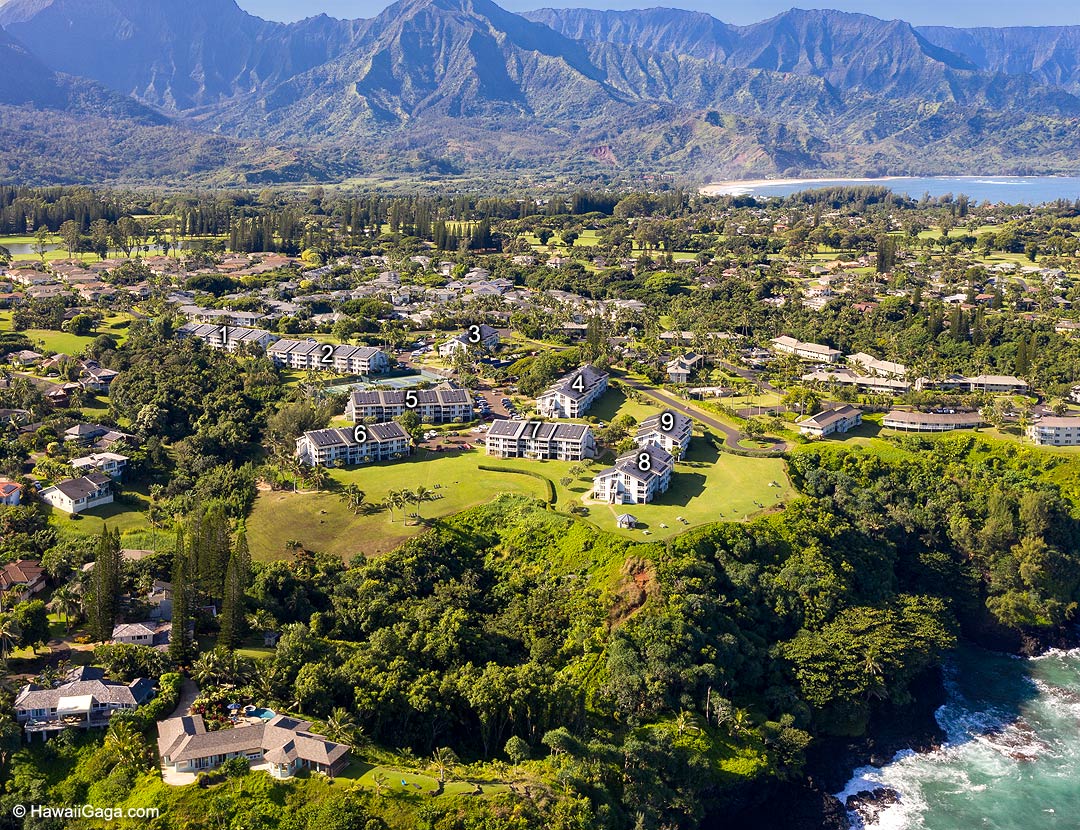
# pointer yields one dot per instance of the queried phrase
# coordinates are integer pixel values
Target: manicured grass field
(707, 487)
(321, 521)
(115, 325)
(614, 403)
(398, 781)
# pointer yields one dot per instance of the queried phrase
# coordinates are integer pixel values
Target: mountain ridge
(467, 85)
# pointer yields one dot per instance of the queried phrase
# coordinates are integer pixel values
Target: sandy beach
(737, 187)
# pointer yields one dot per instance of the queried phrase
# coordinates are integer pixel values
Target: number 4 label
(579, 384)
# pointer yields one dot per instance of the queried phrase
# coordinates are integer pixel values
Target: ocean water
(1012, 757)
(1028, 190)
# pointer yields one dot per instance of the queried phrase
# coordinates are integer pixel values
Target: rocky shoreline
(809, 804)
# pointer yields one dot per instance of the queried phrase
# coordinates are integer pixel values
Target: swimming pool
(265, 714)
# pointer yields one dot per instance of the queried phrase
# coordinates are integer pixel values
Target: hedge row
(552, 495)
(145, 717)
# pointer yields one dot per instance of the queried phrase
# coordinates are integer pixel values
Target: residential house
(829, 421)
(25, 576)
(574, 394)
(363, 444)
(283, 744)
(135, 634)
(78, 494)
(80, 703)
(637, 477)
(540, 440)
(111, 463)
(10, 493)
(96, 378)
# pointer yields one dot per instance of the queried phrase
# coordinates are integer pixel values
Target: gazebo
(625, 520)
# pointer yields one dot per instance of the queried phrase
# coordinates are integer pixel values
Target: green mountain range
(200, 90)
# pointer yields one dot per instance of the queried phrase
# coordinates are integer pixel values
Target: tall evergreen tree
(237, 578)
(181, 647)
(105, 584)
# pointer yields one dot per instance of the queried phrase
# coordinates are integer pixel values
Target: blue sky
(940, 12)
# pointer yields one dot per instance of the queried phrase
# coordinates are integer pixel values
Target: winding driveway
(732, 436)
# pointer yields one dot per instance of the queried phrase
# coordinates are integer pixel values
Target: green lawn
(708, 486)
(115, 325)
(320, 521)
(128, 518)
(614, 403)
(398, 781)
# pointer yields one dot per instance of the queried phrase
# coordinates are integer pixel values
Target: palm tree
(10, 737)
(684, 722)
(9, 634)
(317, 476)
(396, 500)
(443, 758)
(66, 602)
(342, 727)
(126, 745)
(1023, 421)
(354, 497)
(421, 494)
(379, 780)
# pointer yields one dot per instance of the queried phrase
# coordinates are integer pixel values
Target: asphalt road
(732, 436)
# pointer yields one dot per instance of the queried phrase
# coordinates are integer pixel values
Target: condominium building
(829, 421)
(931, 421)
(540, 440)
(363, 444)
(228, 338)
(994, 384)
(340, 358)
(874, 366)
(1055, 431)
(442, 405)
(637, 477)
(668, 430)
(474, 337)
(874, 384)
(574, 394)
(806, 351)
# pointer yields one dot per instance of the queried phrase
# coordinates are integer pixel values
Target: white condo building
(339, 447)
(637, 477)
(574, 394)
(540, 440)
(442, 405)
(341, 358)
